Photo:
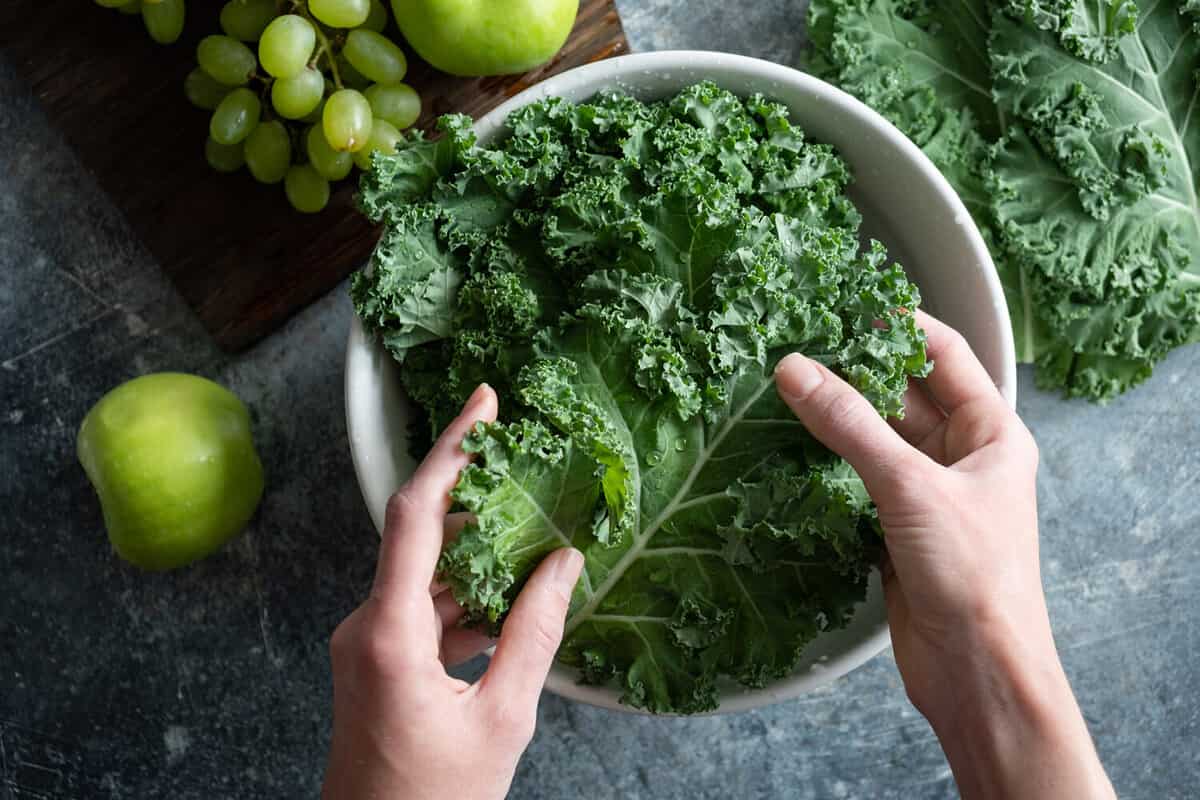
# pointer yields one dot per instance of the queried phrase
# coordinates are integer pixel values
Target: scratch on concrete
(10, 363)
(1120, 633)
(263, 626)
(264, 620)
(75, 279)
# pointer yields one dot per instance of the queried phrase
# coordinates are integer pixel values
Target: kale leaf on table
(1070, 130)
(626, 276)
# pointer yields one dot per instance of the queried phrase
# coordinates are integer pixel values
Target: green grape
(226, 59)
(111, 3)
(377, 19)
(203, 91)
(350, 76)
(383, 139)
(375, 56)
(306, 189)
(331, 164)
(340, 13)
(286, 45)
(236, 117)
(246, 19)
(398, 104)
(224, 157)
(131, 7)
(346, 120)
(164, 20)
(297, 96)
(269, 152)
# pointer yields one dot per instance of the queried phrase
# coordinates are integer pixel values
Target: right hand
(954, 482)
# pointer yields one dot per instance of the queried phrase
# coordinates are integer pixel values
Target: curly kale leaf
(1068, 130)
(626, 276)
(1096, 191)
(716, 544)
(926, 68)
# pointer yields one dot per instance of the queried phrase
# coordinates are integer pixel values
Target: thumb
(845, 422)
(533, 630)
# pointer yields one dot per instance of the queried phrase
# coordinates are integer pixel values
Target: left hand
(403, 727)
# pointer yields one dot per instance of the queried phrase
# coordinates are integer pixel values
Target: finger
(451, 527)
(957, 377)
(845, 422)
(921, 415)
(463, 644)
(412, 534)
(533, 631)
(448, 610)
(438, 472)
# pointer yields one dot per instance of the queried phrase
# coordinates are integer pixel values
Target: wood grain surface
(240, 256)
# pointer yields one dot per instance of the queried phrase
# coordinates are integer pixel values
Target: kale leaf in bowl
(626, 275)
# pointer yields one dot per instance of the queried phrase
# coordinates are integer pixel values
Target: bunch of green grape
(163, 18)
(300, 91)
(322, 93)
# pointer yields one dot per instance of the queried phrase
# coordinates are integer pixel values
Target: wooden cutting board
(240, 256)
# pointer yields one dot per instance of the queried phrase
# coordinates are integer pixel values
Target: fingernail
(476, 397)
(568, 567)
(798, 377)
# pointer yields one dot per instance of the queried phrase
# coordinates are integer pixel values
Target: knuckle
(1018, 437)
(954, 345)
(908, 493)
(376, 651)
(513, 722)
(545, 633)
(977, 423)
(401, 504)
(840, 407)
(894, 473)
(980, 422)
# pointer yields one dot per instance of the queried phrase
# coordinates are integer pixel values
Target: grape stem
(323, 46)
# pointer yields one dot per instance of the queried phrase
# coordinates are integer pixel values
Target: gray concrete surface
(213, 681)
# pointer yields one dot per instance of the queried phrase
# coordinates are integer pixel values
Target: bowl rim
(609, 73)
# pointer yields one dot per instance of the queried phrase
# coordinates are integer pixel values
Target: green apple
(485, 37)
(172, 459)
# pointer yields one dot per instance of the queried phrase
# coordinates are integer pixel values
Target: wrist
(1009, 723)
(998, 668)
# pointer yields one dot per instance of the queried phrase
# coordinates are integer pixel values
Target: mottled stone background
(214, 682)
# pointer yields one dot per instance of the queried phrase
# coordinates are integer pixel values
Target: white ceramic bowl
(906, 203)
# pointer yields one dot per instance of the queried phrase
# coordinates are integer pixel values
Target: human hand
(403, 727)
(954, 482)
(954, 485)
